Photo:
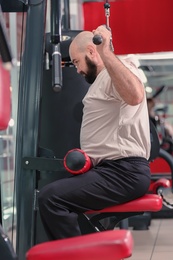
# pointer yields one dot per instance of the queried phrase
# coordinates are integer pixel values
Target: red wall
(138, 26)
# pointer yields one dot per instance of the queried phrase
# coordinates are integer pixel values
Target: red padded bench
(112, 245)
(147, 203)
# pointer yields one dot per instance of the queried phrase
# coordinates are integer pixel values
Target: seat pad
(149, 202)
(112, 245)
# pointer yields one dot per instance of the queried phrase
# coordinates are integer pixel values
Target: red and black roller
(76, 161)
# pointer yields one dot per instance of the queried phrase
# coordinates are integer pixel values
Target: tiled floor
(155, 243)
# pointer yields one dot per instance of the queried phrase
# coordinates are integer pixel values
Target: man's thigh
(90, 190)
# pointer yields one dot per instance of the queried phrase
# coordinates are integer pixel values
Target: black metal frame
(28, 123)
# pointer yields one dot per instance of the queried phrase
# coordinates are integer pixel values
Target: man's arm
(128, 85)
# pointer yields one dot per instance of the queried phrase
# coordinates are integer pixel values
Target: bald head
(84, 56)
(81, 41)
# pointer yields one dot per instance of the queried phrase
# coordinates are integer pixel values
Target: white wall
(76, 13)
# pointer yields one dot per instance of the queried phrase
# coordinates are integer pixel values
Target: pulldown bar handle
(97, 39)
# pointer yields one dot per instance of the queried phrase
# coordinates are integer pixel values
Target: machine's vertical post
(30, 84)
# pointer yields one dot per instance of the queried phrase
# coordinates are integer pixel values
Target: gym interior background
(146, 38)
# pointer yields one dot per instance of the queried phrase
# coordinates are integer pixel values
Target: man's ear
(91, 51)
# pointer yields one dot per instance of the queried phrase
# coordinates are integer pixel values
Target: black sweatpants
(109, 183)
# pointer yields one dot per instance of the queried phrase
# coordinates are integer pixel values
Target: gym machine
(48, 121)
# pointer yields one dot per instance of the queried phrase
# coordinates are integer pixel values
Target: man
(114, 133)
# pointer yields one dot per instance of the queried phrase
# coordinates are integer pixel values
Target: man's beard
(91, 74)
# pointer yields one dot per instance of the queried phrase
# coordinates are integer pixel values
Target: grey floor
(155, 243)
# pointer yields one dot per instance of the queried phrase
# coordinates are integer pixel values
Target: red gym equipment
(112, 245)
(77, 161)
(5, 97)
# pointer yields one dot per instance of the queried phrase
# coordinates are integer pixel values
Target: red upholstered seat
(111, 245)
(149, 202)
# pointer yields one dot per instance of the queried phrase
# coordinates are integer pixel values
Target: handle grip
(97, 39)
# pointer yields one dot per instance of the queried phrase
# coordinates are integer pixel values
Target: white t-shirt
(112, 129)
